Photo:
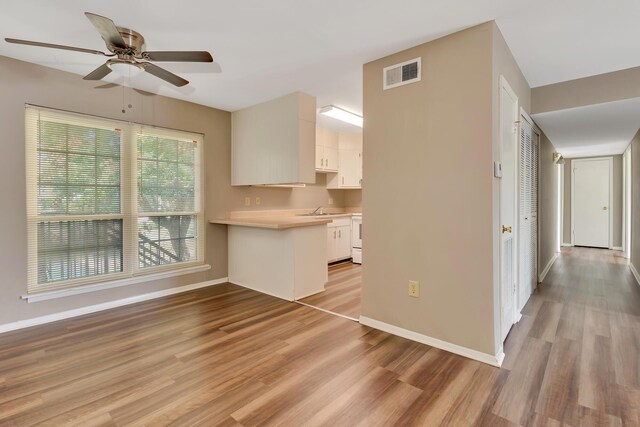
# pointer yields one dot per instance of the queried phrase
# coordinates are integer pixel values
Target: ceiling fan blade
(107, 86)
(98, 73)
(107, 30)
(178, 56)
(164, 74)
(55, 46)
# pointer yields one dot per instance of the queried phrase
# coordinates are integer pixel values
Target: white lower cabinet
(339, 239)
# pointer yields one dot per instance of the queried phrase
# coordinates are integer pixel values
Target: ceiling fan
(126, 50)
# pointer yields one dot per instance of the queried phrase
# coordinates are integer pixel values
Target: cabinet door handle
(327, 162)
(321, 162)
(343, 180)
(334, 234)
(340, 234)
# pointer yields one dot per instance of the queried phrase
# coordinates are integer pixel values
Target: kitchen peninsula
(284, 256)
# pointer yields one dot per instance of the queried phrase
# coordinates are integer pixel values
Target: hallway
(575, 354)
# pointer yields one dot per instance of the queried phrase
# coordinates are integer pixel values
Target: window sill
(43, 296)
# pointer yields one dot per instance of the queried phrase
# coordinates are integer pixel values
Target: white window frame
(131, 273)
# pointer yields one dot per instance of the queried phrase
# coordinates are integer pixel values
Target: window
(108, 200)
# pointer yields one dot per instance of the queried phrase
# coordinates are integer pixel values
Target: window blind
(108, 199)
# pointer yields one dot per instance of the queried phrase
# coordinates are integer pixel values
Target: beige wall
(608, 87)
(547, 204)
(22, 83)
(616, 209)
(635, 201)
(427, 219)
(352, 198)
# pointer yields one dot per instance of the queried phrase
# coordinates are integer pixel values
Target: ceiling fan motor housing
(132, 39)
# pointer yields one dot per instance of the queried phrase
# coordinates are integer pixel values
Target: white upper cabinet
(326, 150)
(274, 142)
(349, 162)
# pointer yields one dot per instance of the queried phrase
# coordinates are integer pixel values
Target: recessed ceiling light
(343, 115)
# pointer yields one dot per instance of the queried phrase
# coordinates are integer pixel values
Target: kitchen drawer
(340, 222)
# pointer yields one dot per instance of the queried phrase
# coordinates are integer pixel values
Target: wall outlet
(258, 201)
(247, 201)
(330, 200)
(414, 288)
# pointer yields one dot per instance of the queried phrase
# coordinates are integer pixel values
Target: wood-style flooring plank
(343, 291)
(229, 356)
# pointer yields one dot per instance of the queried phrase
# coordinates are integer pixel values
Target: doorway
(591, 193)
(508, 205)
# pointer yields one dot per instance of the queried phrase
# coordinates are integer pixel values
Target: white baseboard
(567, 245)
(262, 291)
(324, 310)
(635, 273)
(547, 268)
(310, 294)
(617, 248)
(105, 306)
(489, 359)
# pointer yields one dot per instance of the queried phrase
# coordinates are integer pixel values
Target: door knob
(506, 229)
(604, 208)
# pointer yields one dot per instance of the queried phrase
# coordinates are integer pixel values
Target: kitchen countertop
(277, 223)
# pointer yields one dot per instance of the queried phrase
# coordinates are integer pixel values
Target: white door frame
(504, 85)
(626, 202)
(573, 180)
(560, 219)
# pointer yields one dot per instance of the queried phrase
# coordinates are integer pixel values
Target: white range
(356, 238)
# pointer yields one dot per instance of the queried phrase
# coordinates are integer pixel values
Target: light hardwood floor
(342, 293)
(226, 355)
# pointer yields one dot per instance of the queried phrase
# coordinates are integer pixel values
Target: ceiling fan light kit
(127, 53)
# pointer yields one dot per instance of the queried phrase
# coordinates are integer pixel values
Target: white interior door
(591, 207)
(508, 153)
(528, 212)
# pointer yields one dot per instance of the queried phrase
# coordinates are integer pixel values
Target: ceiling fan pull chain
(129, 93)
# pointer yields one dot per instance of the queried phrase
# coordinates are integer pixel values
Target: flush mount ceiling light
(343, 115)
(125, 68)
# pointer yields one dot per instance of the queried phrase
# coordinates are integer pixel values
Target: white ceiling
(595, 130)
(265, 49)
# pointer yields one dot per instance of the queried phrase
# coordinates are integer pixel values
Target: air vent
(402, 74)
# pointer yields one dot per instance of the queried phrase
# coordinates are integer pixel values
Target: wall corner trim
(547, 268)
(21, 324)
(635, 273)
(489, 359)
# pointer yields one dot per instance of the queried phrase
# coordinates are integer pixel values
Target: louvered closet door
(528, 212)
